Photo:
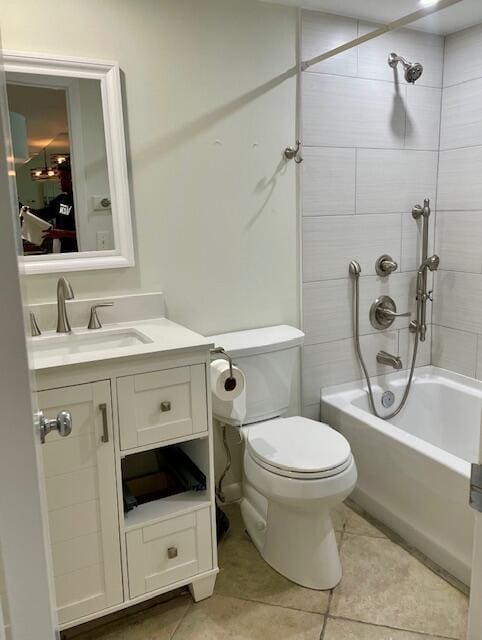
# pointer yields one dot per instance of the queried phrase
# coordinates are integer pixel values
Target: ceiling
(460, 16)
(45, 111)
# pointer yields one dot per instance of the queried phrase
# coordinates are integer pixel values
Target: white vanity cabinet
(104, 559)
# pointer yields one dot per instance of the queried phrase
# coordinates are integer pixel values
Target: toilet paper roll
(222, 385)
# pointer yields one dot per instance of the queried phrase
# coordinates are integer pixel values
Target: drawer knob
(166, 405)
(172, 553)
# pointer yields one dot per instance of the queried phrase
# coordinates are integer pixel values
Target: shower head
(412, 70)
(431, 263)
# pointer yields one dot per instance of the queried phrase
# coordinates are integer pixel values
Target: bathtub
(413, 471)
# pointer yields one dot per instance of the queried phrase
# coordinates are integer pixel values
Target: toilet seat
(298, 448)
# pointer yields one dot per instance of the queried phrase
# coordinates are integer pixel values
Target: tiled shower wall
(457, 314)
(370, 153)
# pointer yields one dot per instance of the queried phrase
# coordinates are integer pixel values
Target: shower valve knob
(385, 265)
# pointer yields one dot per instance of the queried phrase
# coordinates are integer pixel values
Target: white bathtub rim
(341, 397)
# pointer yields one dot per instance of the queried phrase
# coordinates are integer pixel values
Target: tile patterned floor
(385, 594)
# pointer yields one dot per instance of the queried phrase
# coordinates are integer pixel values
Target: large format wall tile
(460, 304)
(412, 238)
(371, 153)
(352, 112)
(336, 362)
(330, 242)
(462, 115)
(458, 240)
(328, 181)
(413, 45)
(459, 183)
(328, 305)
(422, 127)
(454, 350)
(321, 32)
(463, 54)
(392, 181)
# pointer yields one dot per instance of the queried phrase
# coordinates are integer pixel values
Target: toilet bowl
(295, 470)
(289, 519)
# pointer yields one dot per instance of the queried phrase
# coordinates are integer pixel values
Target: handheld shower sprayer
(412, 70)
(431, 263)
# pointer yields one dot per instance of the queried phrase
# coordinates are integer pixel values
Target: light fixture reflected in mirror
(43, 173)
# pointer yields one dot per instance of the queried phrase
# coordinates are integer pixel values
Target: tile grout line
(330, 597)
(437, 185)
(181, 620)
(384, 626)
(270, 604)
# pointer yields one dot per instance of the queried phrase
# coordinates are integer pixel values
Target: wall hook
(293, 153)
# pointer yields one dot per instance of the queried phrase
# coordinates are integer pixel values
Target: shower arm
(391, 26)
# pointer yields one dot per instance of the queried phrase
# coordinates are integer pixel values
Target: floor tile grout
(384, 626)
(176, 628)
(271, 604)
(330, 597)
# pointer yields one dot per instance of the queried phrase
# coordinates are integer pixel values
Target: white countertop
(158, 336)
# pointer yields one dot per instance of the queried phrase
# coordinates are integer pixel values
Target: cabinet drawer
(161, 405)
(163, 553)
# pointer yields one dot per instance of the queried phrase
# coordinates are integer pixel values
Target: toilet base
(301, 545)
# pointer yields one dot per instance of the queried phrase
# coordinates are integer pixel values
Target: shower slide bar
(391, 26)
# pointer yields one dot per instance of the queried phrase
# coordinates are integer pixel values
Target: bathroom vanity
(135, 390)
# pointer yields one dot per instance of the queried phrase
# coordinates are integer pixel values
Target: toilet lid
(298, 447)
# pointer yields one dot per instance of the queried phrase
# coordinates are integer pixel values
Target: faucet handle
(94, 322)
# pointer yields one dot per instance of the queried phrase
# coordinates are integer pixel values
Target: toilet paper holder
(220, 351)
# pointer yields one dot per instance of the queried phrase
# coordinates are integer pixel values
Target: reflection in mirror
(61, 163)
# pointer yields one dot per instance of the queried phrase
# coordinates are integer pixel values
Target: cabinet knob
(172, 553)
(165, 406)
(62, 423)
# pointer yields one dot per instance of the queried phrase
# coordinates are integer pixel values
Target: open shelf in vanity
(165, 481)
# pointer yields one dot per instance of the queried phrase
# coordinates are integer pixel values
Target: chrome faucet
(383, 357)
(64, 292)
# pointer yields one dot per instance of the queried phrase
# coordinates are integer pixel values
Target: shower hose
(356, 322)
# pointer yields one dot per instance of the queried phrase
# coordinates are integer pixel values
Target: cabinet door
(82, 501)
(161, 405)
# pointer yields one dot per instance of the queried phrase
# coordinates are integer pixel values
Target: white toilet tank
(267, 358)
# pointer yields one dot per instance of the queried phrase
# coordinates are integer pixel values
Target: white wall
(210, 104)
(371, 152)
(95, 179)
(458, 312)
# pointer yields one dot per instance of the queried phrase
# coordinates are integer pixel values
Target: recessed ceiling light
(428, 3)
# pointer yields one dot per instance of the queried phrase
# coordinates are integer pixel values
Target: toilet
(295, 470)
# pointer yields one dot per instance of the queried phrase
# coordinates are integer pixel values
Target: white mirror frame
(109, 75)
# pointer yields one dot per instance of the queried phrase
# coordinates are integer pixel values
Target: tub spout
(387, 358)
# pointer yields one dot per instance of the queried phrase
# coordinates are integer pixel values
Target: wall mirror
(70, 162)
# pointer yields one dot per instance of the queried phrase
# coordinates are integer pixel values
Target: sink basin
(78, 343)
